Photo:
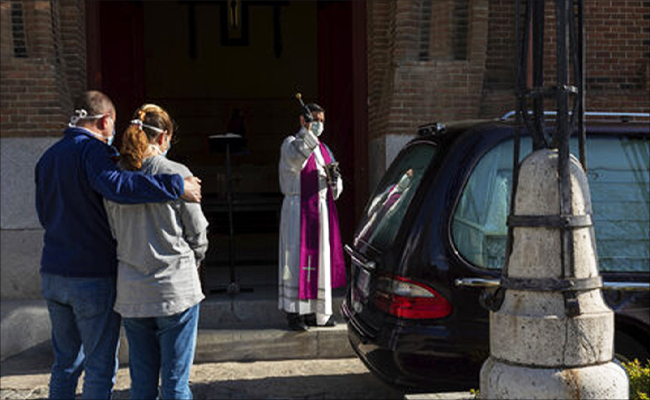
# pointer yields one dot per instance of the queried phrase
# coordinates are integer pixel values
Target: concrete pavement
(346, 378)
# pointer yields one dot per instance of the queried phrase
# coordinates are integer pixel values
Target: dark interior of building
(232, 66)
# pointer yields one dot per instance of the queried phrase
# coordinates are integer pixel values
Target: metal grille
(425, 31)
(18, 29)
(444, 30)
(54, 18)
(459, 29)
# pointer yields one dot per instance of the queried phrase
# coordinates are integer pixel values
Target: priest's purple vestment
(310, 253)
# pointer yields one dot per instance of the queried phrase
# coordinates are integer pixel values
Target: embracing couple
(124, 237)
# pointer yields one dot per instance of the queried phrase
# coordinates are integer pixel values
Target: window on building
(18, 29)
(444, 29)
(459, 29)
(425, 30)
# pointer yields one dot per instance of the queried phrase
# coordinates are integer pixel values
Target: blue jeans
(162, 346)
(85, 335)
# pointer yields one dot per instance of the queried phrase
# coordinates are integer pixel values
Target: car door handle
(495, 283)
(627, 286)
(477, 282)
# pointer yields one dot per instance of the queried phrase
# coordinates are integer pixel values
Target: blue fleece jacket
(72, 176)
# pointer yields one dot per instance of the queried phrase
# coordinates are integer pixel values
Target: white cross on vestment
(308, 268)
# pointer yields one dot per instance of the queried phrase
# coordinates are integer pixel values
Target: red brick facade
(405, 91)
(40, 74)
(412, 79)
(619, 60)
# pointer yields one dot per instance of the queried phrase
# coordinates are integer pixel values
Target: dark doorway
(115, 56)
(342, 92)
(215, 74)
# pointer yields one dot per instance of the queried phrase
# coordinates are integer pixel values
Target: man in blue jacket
(79, 262)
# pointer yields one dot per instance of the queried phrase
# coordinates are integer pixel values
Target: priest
(311, 260)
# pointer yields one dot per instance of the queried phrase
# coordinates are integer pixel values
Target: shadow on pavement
(36, 360)
(347, 386)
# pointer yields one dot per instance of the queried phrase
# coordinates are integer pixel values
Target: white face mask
(109, 141)
(164, 153)
(317, 127)
(156, 149)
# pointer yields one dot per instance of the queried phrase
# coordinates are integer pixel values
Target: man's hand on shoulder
(192, 190)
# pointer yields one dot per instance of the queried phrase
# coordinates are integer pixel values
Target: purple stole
(310, 231)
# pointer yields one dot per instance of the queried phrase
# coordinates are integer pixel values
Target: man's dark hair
(94, 102)
(313, 107)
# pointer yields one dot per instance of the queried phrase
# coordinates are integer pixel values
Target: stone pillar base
(504, 381)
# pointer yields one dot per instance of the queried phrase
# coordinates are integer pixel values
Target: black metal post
(562, 133)
(570, 46)
(228, 143)
(233, 287)
(538, 69)
(581, 81)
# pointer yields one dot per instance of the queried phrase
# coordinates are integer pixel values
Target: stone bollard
(539, 347)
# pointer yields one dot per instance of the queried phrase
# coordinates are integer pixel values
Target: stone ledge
(26, 324)
(23, 325)
(440, 396)
(216, 345)
(250, 310)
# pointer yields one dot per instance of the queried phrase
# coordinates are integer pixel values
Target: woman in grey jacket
(159, 249)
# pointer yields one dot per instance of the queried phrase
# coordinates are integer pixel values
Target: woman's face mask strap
(143, 125)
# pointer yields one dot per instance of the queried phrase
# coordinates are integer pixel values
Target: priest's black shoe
(310, 320)
(296, 322)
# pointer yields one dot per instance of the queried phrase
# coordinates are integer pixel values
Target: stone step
(246, 326)
(221, 345)
(256, 309)
(217, 345)
(23, 325)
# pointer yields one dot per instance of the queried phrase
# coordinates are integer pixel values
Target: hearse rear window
(385, 210)
(619, 181)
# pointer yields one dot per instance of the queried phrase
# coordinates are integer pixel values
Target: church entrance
(235, 66)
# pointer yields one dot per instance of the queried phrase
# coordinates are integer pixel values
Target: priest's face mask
(318, 125)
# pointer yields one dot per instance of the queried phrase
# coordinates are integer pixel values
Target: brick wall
(404, 90)
(73, 44)
(407, 89)
(379, 29)
(39, 82)
(617, 55)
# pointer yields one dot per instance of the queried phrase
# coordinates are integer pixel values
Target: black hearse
(431, 243)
